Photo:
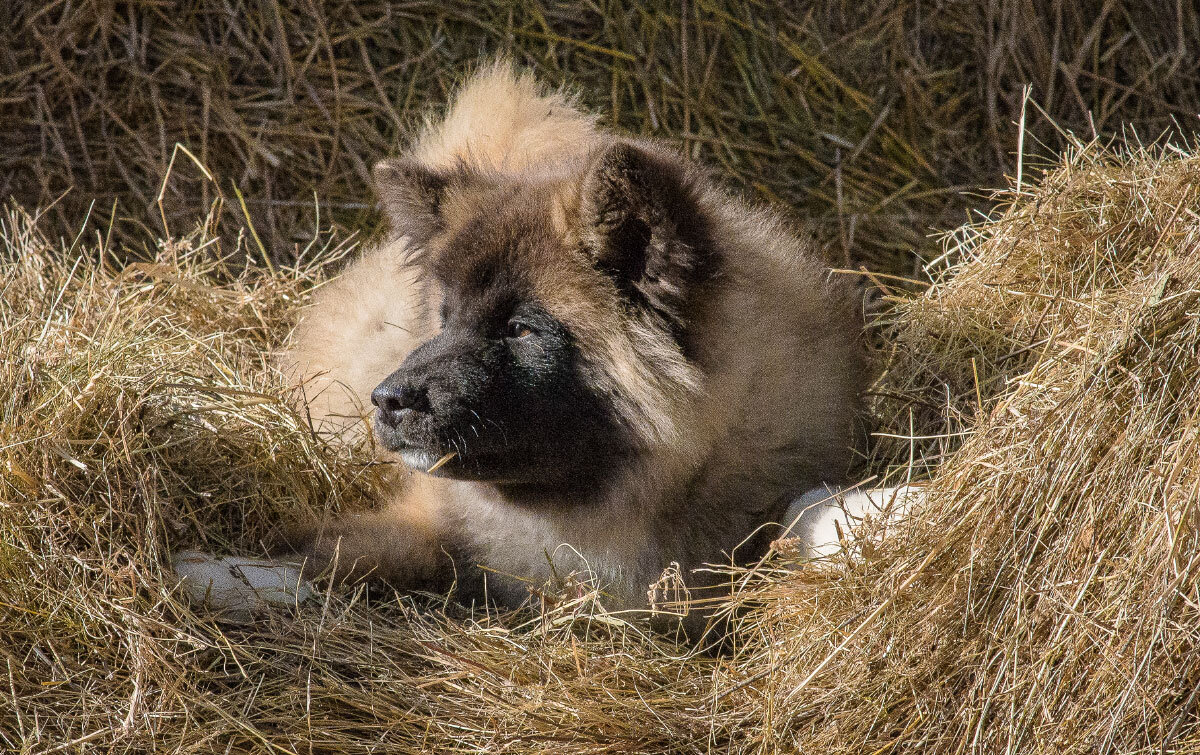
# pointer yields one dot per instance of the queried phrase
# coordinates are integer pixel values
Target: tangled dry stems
(874, 122)
(1047, 599)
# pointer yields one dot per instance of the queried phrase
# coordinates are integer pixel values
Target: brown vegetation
(1047, 600)
(875, 120)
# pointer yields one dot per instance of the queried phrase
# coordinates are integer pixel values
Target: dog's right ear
(646, 230)
(412, 195)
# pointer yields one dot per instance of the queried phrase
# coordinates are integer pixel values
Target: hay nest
(1046, 600)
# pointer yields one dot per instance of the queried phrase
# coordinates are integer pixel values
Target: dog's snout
(425, 390)
(393, 400)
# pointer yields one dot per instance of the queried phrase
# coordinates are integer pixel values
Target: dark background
(878, 123)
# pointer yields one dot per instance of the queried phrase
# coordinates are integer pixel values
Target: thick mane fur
(502, 121)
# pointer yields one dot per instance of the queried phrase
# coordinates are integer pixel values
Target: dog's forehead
(507, 243)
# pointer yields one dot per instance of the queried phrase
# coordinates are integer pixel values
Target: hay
(875, 121)
(1048, 600)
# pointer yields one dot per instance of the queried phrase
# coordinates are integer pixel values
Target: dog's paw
(823, 521)
(237, 587)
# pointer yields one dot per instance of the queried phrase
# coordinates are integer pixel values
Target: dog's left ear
(644, 227)
(412, 194)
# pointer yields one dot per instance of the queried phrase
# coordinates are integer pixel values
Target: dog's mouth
(421, 450)
(453, 465)
(424, 460)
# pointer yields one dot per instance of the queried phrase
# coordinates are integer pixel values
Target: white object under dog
(824, 516)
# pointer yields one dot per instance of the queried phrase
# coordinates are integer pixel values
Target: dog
(585, 355)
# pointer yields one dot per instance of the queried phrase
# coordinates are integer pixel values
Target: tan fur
(782, 345)
(403, 543)
(376, 313)
(504, 121)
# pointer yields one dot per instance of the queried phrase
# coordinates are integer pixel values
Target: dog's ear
(644, 227)
(412, 195)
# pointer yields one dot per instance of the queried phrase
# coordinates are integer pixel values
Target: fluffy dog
(589, 355)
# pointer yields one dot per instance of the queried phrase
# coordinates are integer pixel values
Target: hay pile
(1048, 600)
(874, 120)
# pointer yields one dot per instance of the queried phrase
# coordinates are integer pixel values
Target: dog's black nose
(392, 400)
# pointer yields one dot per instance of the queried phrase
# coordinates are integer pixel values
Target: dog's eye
(518, 329)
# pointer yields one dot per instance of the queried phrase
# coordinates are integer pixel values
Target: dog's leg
(411, 544)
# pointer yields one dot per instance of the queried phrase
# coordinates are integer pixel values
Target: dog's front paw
(236, 586)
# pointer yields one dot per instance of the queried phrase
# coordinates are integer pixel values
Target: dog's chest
(522, 548)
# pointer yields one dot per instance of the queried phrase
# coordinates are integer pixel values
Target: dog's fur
(689, 367)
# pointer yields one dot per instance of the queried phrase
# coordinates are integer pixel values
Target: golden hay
(872, 121)
(1046, 600)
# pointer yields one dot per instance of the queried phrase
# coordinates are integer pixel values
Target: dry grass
(875, 121)
(1049, 598)
(1047, 601)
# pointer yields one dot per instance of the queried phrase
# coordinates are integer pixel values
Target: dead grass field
(1045, 382)
(1046, 601)
(876, 123)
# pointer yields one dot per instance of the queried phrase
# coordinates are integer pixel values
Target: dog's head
(565, 305)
